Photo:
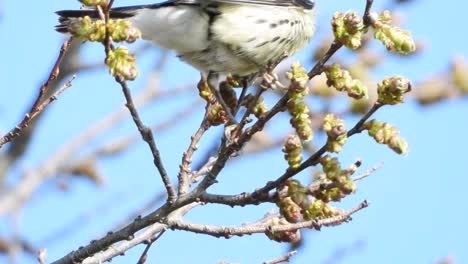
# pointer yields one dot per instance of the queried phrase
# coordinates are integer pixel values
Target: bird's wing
(307, 4)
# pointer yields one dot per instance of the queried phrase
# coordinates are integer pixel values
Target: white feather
(180, 28)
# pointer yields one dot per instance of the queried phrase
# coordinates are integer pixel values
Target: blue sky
(418, 208)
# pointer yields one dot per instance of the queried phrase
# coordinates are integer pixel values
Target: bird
(238, 37)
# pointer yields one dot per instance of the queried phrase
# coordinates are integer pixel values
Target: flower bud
(384, 133)
(293, 236)
(348, 28)
(342, 81)
(217, 114)
(395, 39)
(122, 63)
(292, 149)
(391, 90)
(336, 132)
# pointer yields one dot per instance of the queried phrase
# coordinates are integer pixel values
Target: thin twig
(359, 125)
(281, 259)
(145, 131)
(144, 255)
(147, 135)
(15, 132)
(184, 174)
(368, 172)
(318, 68)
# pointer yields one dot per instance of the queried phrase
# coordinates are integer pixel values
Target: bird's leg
(212, 80)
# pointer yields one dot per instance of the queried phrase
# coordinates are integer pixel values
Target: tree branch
(284, 258)
(147, 135)
(247, 229)
(35, 109)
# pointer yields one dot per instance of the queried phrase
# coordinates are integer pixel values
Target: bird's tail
(66, 16)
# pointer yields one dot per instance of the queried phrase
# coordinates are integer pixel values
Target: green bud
(300, 118)
(391, 90)
(336, 132)
(122, 30)
(399, 145)
(217, 114)
(320, 210)
(292, 149)
(234, 81)
(260, 107)
(395, 39)
(384, 133)
(343, 81)
(348, 29)
(293, 236)
(85, 29)
(290, 210)
(122, 63)
(204, 91)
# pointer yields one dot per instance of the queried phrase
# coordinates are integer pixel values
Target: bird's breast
(263, 33)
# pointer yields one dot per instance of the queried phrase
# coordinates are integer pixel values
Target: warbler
(239, 37)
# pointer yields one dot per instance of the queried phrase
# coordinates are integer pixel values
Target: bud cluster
(338, 179)
(298, 109)
(292, 236)
(292, 149)
(348, 29)
(204, 91)
(395, 39)
(343, 81)
(296, 206)
(336, 132)
(384, 133)
(319, 209)
(391, 90)
(217, 114)
(122, 63)
(85, 28)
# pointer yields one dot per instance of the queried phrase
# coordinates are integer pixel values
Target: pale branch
(368, 172)
(119, 249)
(248, 229)
(104, 248)
(35, 109)
(148, 137)
(185, 170)
(150, 242)
(281, 259)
